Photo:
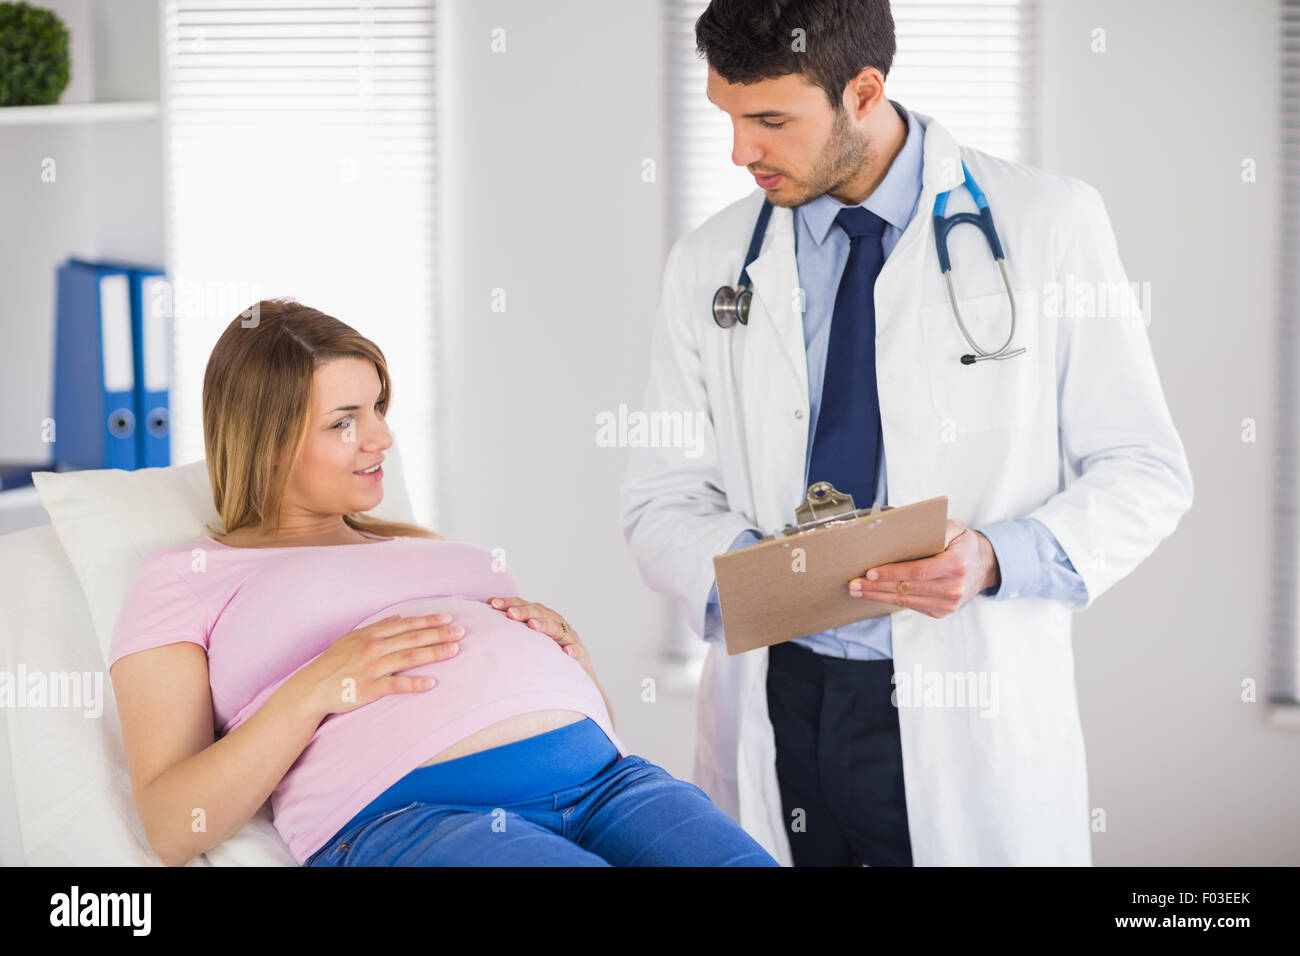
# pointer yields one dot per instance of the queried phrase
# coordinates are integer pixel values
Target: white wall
(1160, 123)
(543, 198)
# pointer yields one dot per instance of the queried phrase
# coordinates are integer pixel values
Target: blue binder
(94, 369)
(151, 324)
(18, 476)
(151, 330)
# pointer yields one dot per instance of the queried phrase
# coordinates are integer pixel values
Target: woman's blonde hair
(257, 403)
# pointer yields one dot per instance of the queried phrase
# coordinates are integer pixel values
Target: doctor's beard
(842, 158)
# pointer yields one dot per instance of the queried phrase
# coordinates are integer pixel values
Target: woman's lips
(376, 476)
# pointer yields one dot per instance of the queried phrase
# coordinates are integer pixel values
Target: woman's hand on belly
(365, 664)
(541, 618)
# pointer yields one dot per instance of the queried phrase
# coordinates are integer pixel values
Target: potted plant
(33, 55)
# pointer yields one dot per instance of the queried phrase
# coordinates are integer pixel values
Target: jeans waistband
(528, 768)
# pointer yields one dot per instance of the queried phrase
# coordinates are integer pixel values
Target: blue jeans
(563, 798)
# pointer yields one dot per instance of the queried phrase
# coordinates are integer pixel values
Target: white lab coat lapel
(775, 388)
(776, 375)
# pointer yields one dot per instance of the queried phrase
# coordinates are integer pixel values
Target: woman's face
(346, 433)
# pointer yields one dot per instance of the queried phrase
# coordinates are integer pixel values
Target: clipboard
(795, 582)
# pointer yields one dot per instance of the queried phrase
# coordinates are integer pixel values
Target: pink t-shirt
(263, 613)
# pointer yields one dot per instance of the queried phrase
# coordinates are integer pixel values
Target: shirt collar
(893, 200)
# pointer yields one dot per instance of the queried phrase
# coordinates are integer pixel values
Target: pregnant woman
(388, 689)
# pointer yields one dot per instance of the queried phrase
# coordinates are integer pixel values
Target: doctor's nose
(744, 152)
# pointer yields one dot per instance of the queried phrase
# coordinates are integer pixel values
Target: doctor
(946, 732)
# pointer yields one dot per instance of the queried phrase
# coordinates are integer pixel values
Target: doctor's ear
(864, 93)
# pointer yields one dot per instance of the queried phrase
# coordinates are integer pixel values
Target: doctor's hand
(937, 585)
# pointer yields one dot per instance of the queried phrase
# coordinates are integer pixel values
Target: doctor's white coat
(1075, 432)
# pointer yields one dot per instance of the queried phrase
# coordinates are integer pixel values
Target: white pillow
(108, 520)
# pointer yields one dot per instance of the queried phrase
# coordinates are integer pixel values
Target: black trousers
(839, 758)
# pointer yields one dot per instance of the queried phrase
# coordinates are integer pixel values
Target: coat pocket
(1020, 662)
(991, 394)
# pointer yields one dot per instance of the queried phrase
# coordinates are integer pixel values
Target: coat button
(798, 413)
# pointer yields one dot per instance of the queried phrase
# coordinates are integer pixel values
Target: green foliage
(33, 55)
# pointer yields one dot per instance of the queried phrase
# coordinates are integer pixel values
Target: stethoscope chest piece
(731, 306)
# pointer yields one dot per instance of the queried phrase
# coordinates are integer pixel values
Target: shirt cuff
(1017, 557)
(743, 540)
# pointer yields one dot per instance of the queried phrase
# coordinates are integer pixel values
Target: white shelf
(60, 113)
(22, 497)
(103, 145)
(20, 509)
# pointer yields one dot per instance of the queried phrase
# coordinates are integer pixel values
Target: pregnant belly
(508, 731)
(496, 654)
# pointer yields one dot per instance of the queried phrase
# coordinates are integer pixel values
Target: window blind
(968, 63)
(300, 149)
(1284, 650)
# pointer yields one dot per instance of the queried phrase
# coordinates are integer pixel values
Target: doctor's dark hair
(746, 41)
(257, 391)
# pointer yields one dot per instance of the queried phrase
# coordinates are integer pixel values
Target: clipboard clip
(824, 505)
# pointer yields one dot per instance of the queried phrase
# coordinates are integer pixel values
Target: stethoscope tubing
(731, 305)
(1000, 353)
(984, 220)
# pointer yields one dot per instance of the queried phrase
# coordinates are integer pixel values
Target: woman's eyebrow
(349, 408)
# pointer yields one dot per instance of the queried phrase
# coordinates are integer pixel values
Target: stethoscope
(732, 305)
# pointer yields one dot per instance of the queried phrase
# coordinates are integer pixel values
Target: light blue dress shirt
(1030, 559)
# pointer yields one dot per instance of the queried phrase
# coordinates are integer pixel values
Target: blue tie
(846, 446)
